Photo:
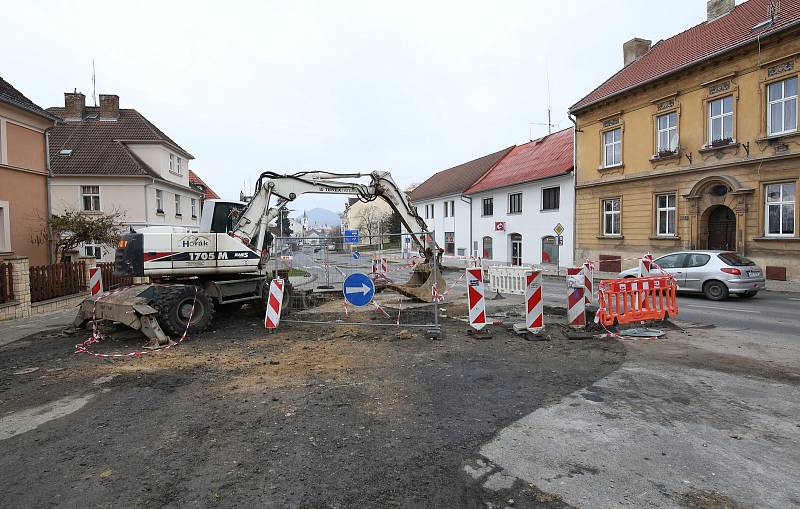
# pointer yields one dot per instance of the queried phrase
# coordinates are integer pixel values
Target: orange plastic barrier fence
(637, 299)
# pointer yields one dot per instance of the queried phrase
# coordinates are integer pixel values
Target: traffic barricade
(637, 299)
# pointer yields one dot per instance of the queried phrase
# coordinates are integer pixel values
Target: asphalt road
(773, 313)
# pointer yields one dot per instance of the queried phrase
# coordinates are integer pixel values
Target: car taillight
(735, 272)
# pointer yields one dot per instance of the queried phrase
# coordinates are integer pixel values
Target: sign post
(559, 229)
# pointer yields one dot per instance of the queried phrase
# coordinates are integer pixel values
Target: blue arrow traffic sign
(356, 255)
(358, 289)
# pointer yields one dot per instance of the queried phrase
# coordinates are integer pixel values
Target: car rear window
(735, 260)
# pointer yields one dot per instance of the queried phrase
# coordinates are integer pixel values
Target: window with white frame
(720, 120)
(172, 162)
(612, 147)
(159, 201)
(487, 247)
(515, 203)
(5, 228)
(780, 208)
(782, 106)
(177, 204)
(90, 198)
(429, 211)
(194, 207)
(611, 217)
(179, 165)
(667, 135)
(93, 249)
(449, 208)
(446, 206)
(488, 207)
(665, 214)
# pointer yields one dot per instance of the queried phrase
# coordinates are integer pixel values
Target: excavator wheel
(174, 305)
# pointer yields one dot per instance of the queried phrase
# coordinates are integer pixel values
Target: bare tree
(372, 221)
(69, 230)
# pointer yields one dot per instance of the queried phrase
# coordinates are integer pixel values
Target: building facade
(371, 219)
(23, 175)
(442, 203)
(517, 205)
(693, 144)
(106, 159)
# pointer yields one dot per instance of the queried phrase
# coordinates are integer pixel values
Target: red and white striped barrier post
(588, 274)
(95, 281)
(384, 265)
(374, 265)
(645, 265)
(576, 305)
(274, 304)
(534, 319)
(477, 302)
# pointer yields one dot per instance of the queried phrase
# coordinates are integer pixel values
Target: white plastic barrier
(508, 279)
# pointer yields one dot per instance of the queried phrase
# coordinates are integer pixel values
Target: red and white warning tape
(97, 337)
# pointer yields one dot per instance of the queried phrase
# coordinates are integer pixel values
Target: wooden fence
(6, 283)
(57, 280)
(110, 281)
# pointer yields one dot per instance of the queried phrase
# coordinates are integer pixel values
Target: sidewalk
(553, 273)
(13, 330)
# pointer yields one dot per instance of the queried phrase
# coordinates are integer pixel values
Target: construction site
(382, 377)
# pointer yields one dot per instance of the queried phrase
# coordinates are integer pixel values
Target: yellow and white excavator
(225, 262)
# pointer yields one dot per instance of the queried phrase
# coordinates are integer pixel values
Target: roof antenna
(94, 85)
(550, 125)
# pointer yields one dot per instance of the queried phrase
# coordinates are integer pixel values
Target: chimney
(718, 8)
(634, 49)
(109, 107)
(73, 104)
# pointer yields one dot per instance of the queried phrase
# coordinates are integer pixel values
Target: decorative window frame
(99, 195)
(664, 106)
(773, 72)
(508, 203)
(717, 89)
(608, 128)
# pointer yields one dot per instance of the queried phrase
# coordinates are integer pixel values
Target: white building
(106, 159)
(441, 202)
(518, 203)
(505, 206)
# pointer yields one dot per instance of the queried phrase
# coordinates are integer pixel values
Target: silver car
(714, 273)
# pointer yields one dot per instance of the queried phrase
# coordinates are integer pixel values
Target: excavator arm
(287, 188)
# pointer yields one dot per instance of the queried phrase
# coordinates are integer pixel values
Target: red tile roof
(201, 186)
(702, 41)
(457, 179)
(546, 157)
(98, 147)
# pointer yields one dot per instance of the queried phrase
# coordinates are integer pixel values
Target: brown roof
(696, 44)
(457, 179)
(99, 146)
(201, 186)
(546, 157)
(12, 96)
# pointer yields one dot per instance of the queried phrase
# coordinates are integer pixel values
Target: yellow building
(694, 144)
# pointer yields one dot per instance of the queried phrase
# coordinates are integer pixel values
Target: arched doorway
(549, 249)
(721, 224)
(516, 249)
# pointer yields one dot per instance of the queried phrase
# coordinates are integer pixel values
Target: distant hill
(321, 217)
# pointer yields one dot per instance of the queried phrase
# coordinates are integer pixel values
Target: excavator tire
(174, 305)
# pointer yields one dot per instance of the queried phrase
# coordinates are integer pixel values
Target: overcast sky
(409, 87)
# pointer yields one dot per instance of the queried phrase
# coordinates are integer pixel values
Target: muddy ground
(312, 416)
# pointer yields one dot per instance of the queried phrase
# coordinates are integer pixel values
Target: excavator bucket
(129, 306)
(420, 285)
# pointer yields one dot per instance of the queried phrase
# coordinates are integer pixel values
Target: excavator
(224, 262)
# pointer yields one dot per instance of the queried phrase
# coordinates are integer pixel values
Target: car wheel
(748, 294)
(715, 290)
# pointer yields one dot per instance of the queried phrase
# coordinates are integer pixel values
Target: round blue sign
(356, 255)
(358, 289)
